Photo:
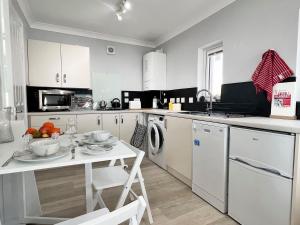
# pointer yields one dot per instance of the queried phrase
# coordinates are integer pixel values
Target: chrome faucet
(210, 107)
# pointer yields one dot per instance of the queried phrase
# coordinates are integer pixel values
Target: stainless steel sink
(213, 114)
(195, 113)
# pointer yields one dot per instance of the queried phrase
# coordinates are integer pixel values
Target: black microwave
(55, 100)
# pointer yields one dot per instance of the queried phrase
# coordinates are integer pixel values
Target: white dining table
(18, 190)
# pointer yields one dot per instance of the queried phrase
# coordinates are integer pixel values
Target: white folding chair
(116, 176)
(132, 212)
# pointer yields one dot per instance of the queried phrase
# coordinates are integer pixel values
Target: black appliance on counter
(241, 98)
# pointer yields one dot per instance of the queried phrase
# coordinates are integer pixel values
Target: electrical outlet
(182, 100)
(165, 100)
(177, 100)
(126, 94)
(191, 100)
(126, 100)
(172, 100)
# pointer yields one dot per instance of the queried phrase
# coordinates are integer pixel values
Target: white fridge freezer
(260, 177)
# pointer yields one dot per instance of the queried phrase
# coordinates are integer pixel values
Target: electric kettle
(115, 103)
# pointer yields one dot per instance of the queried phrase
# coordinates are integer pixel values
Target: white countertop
(281, 125)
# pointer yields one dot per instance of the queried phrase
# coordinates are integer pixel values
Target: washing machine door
(156, 139)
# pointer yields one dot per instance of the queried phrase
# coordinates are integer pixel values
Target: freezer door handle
(269, 170)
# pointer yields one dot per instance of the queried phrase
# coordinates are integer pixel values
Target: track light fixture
(124, 6)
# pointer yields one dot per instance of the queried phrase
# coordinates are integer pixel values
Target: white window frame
(203, 81)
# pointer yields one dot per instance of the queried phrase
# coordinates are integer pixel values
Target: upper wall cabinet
(58, 65)
(154, 71)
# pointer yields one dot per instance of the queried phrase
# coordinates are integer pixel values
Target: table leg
(88, 187)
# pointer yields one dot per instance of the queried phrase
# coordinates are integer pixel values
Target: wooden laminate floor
(62, 194)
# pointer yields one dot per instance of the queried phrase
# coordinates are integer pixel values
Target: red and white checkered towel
(271, 70)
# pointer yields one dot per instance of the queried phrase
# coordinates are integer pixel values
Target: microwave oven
(55, 100)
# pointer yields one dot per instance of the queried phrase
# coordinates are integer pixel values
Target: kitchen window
(210, 69)
(214, 71)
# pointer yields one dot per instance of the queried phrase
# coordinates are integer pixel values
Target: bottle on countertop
(154, 103)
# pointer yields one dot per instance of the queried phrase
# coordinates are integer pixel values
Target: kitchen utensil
(100, 135)
(115, 103)
(102, 104)
(6, 134)
(45, 147)
(15, 154)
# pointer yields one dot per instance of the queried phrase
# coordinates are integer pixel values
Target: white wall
(247, 29)
(110, 73)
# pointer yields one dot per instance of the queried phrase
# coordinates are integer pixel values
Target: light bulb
(120, 18)
(127, 5)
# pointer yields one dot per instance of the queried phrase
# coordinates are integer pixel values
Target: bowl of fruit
(45, 131)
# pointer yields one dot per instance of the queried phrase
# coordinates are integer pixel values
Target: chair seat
(110, 177)
(86, 217)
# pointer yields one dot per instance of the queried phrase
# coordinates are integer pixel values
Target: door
(89, 122)
(257, 197)
(179, 146)
(75, 66)
(127, 125)
(156, 139)
(44, 63)
(111, 123)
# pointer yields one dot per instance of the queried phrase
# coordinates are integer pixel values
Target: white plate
(86, 151)
(111, 141)
(31, 157)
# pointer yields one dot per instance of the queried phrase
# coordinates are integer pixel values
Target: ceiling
(149, 23)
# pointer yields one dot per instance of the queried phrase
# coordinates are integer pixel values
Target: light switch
(126, 94)
(191, 100)
(182, 100)
(126, 100)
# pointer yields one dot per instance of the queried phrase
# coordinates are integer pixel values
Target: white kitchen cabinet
(75, 66)
(154, 71)
(44, 63)
(111, 123)
(89, 122)
(58, 65)
(179, 148)
(127, 125)
(60, 121)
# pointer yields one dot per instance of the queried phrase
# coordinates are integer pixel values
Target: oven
(55, 100)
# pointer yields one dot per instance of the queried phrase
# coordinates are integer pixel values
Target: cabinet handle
(57, 78)
(65, 78)
(54, 118)
(116, 119)
(122, 119)
(99, 121)
(166, 124)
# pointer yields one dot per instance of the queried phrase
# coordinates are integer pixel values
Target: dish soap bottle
(154, 103)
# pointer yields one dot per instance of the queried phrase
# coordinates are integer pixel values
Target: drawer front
(59, 121)
(258, 198)
(263, 149)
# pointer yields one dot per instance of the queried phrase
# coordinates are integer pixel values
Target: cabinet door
(44, 63)
(59, 121)
(179, 148)
(111, 123)
(89, 122)
(75, 66)
(127, 125)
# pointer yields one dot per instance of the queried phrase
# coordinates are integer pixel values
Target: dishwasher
(210, 163)
(260, 176)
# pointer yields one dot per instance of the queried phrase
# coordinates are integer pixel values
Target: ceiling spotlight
(119, 16)
(127, 5)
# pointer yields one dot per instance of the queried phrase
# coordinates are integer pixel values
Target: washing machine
(156, 140)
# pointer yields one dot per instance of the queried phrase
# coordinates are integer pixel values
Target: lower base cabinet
(179, 148)
(89, 122)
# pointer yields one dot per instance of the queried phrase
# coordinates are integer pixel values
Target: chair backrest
(132, 212)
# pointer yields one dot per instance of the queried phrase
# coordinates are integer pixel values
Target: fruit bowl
(45, 131)
(45, 147)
